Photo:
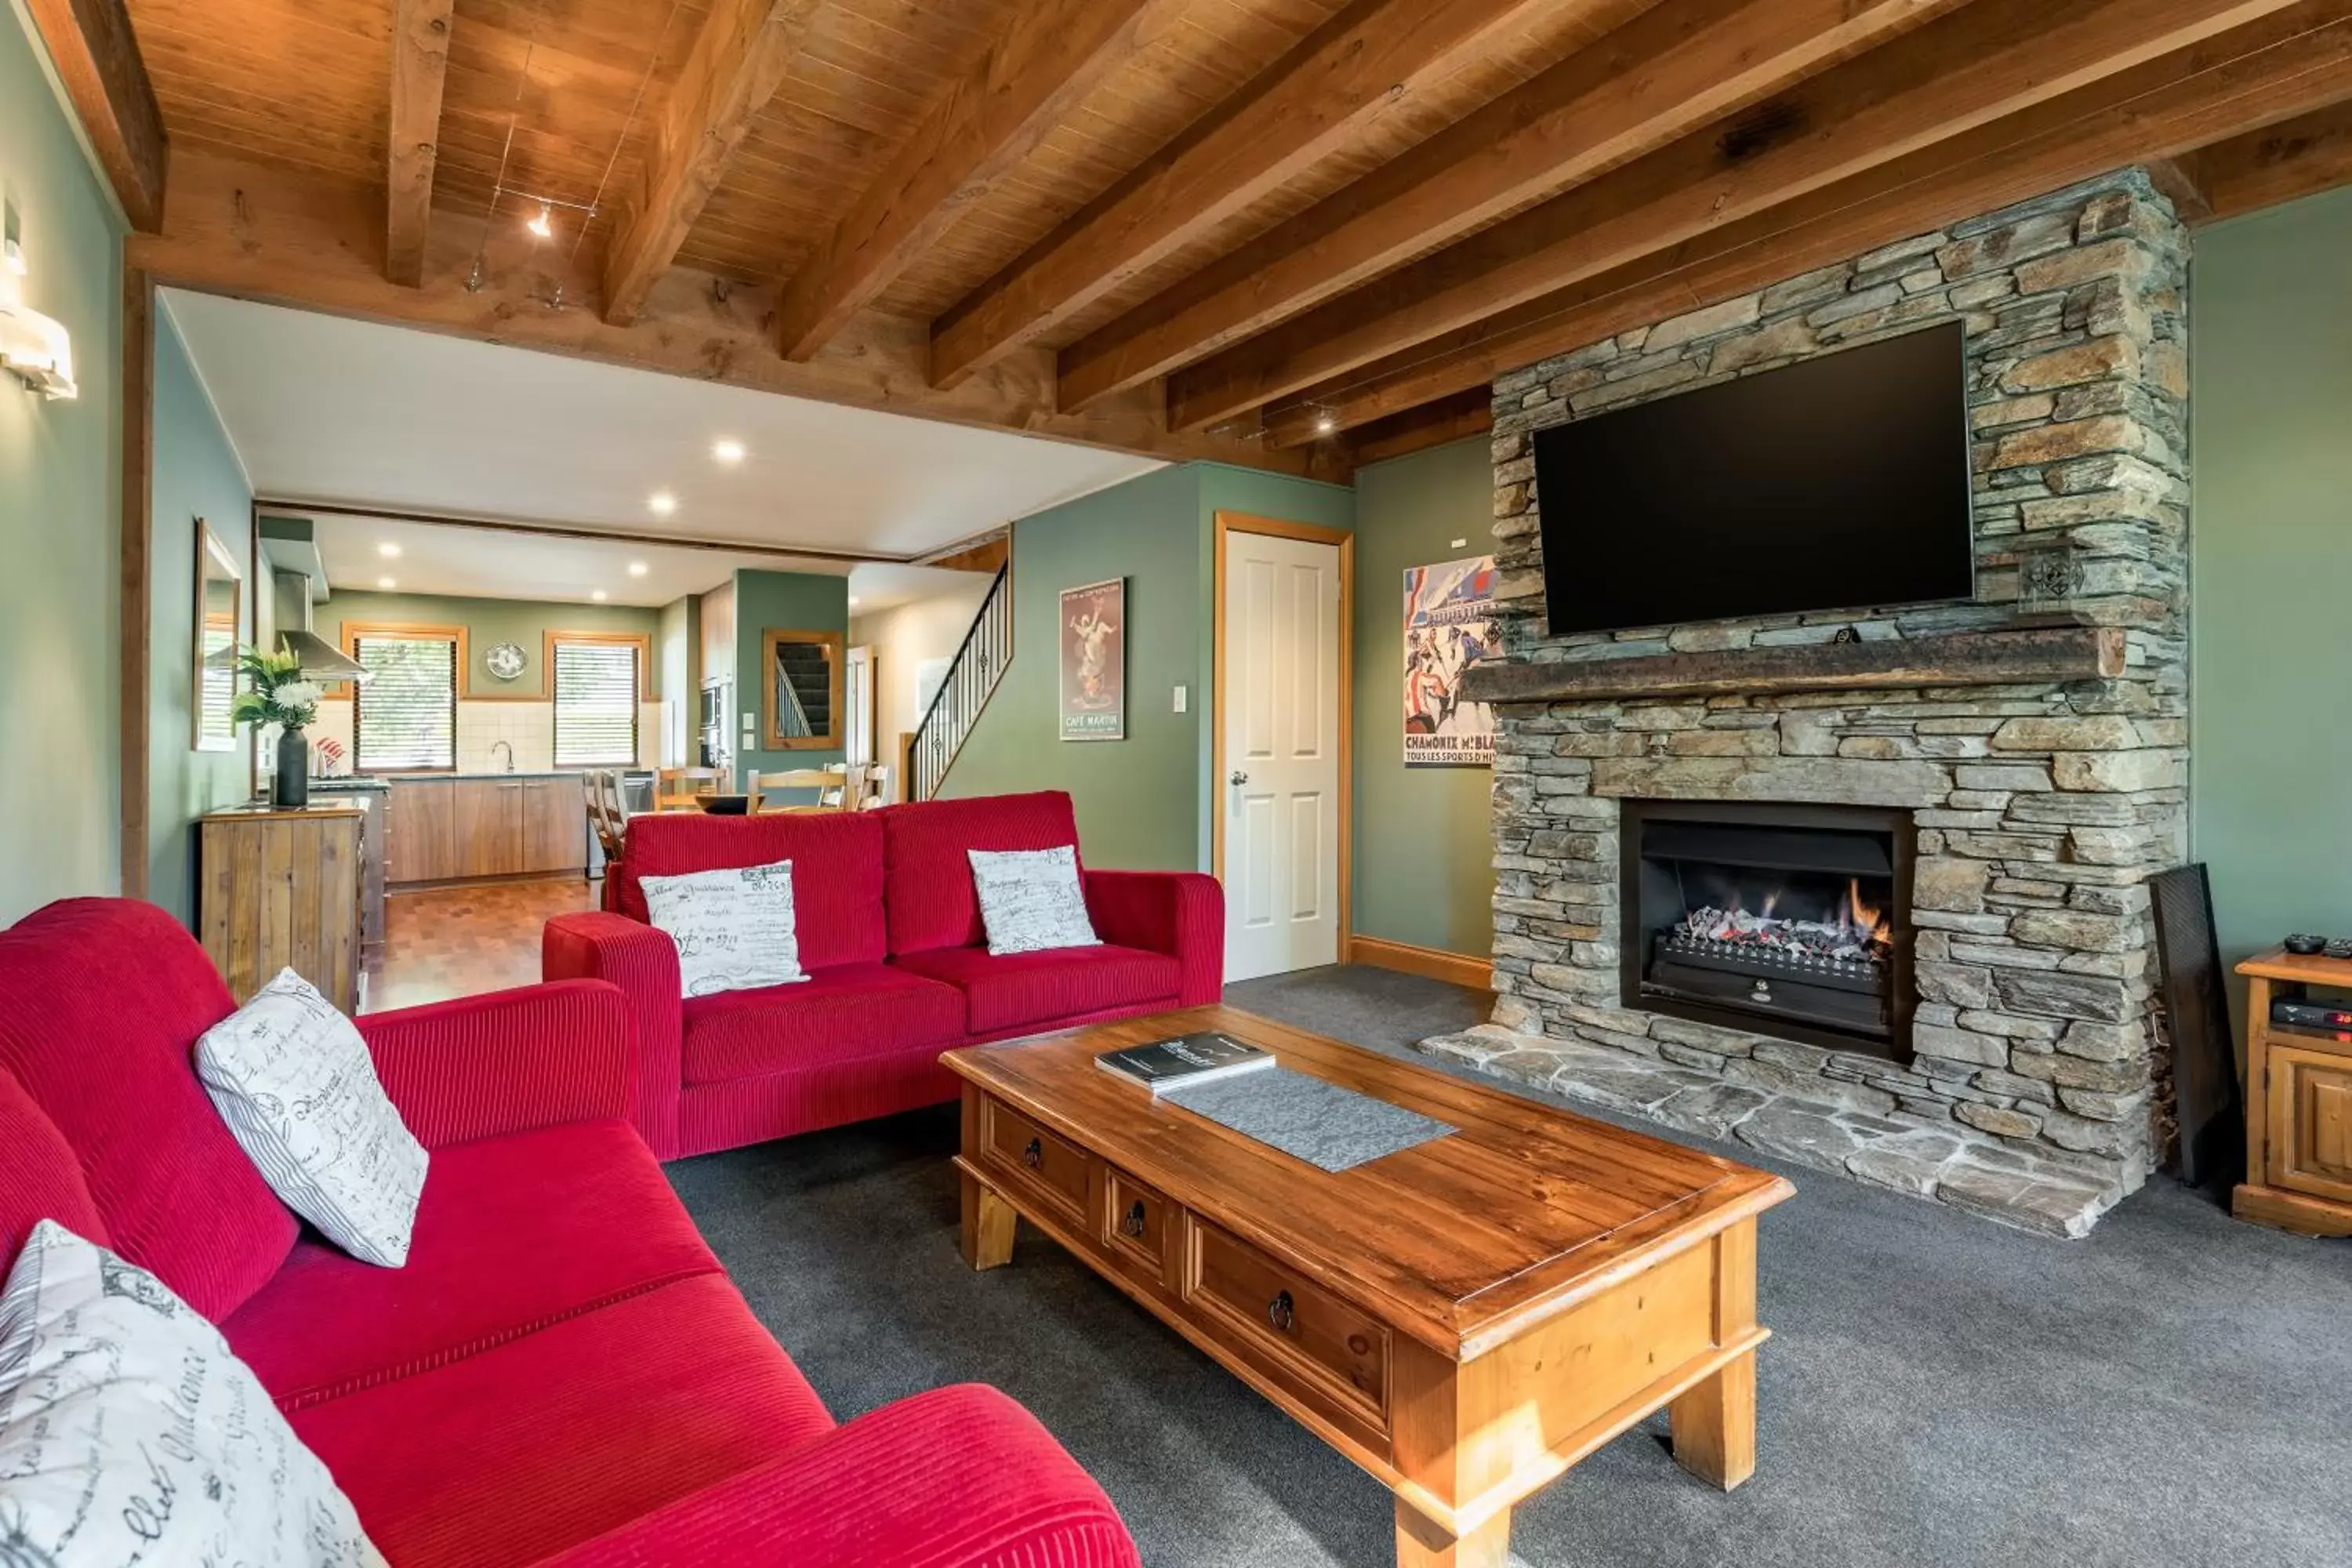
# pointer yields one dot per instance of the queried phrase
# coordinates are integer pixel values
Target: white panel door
(1280, 794)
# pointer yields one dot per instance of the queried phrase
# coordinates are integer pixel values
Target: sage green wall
(781, 601)
(1424, 849)
(1143, 803)
(196, 475)
(60, 793)
(488, 622)
(1137, 800)
(2271, 790)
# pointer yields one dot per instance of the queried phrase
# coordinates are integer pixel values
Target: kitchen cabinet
(458, 829)
(719, 634)
(490, 826)
(421, 831)
(554, 825)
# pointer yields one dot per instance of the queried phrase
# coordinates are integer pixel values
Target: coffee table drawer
(1336, 1349)
(1056, 1170)
(1139, 1228)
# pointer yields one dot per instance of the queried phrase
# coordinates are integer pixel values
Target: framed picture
(1448, 628)
(1094, 661)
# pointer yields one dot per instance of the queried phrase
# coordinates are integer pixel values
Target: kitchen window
(404, 718)
(596, 696)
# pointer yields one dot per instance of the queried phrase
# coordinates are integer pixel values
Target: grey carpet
(1940, 1390)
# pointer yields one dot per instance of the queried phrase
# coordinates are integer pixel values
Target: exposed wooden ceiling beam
(744, 52)
(1988, 59)
(1055, 53)
(420, 66)
(1465, 413)
(2281, 67)
(255, 232)
(2280, 162)
(90, 43)
(1666, 71)
(1372, 61)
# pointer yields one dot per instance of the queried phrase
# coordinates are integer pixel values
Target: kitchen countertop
(381, 781)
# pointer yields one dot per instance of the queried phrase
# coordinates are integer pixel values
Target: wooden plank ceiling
(1297, 233)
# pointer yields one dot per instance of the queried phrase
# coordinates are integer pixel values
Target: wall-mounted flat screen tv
(1839, 483)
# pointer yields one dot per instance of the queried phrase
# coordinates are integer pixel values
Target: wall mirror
(219, 617)
(801, 696)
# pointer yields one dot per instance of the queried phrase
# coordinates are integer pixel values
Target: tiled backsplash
(528, 727)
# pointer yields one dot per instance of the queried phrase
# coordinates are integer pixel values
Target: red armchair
(890, 935)
(562, 1373)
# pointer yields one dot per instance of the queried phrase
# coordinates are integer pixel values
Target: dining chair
(873, 791)
(608, 812)
(833, 786)
(682, 789)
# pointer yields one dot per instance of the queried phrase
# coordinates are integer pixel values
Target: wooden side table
(281, 889)
(2298, 1102)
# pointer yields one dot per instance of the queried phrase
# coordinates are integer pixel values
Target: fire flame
(1852, 929)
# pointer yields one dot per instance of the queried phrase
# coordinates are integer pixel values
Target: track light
(543, 224)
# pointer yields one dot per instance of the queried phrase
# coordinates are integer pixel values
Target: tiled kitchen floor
(457, 942)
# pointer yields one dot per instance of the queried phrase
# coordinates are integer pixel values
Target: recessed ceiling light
(638, 568)
(388, 550)
(727, 449)
(599, 596)
(385, 583)
(661, 503)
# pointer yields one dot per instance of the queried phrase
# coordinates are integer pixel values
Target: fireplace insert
(1792, 921)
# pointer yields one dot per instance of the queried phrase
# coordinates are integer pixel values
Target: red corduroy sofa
(890, 936)
(562, 1373)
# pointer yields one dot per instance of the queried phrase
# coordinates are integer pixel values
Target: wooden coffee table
(1466, 1320)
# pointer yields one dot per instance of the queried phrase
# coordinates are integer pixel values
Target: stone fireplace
(1953, 810)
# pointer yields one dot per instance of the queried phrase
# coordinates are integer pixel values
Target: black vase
(290, 785)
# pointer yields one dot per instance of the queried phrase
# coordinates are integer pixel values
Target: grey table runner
(1308, 1118)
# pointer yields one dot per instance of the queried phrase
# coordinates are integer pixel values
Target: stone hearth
(2035, 1085)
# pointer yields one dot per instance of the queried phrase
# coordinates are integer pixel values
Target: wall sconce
(37, 350)
(33, 348)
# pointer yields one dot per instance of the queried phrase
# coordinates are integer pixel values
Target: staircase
(979, 665)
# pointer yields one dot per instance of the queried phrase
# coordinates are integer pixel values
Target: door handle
(1239, 777)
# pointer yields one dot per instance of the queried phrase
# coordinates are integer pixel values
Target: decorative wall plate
(505, 661)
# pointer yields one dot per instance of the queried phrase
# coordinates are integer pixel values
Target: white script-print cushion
(733, 928)
(294, 1082)
(1030, 900)
(132, 1437)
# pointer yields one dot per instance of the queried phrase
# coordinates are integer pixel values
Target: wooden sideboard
(2298, 1102)
(278, 888)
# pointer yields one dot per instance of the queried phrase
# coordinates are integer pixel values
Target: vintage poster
(1094, 661)
(1448, 627)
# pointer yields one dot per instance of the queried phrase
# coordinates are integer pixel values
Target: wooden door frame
(1232, 522)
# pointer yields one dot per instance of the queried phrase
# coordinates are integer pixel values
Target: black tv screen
(1840, 483)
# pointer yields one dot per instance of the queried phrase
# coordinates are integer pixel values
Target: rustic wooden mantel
(1963, 659)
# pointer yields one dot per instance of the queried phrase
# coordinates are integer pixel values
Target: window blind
(596, 705)
(406, 717)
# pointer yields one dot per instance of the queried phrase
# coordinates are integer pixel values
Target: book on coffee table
(1186, 1059)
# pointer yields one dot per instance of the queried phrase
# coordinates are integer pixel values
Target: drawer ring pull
(1136, 1220)
(1033, 1156)
(1279, 1312)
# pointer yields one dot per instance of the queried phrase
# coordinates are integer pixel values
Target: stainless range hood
(321, 660)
